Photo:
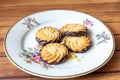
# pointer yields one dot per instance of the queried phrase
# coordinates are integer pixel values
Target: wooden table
(107, 11)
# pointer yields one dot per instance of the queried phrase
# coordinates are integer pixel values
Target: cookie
(47, 34)
(77, 44)
(73, 30)
(53, 53)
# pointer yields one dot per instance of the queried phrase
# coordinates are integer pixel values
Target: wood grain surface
(108, 11)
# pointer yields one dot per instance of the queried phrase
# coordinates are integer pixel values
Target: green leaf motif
(47, 67)
(30, 49)
(30, 22)
(103, 34)
(98, 36)
(102, 37)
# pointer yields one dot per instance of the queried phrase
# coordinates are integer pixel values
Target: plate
(20, 45)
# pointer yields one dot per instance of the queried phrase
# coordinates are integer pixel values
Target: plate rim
(56, 77)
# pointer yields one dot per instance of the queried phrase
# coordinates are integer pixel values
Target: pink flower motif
(36, 59)
(88, 22)
(45, 64)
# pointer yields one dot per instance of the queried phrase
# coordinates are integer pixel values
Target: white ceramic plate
(21, 37)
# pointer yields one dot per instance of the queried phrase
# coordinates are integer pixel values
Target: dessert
(77, 44)
(73, 30)
(53, 53)
(48, 34)
(56, 45)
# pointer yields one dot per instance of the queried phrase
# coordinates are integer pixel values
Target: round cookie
(78, 44)
(47, 34)
(73, 30)
(53, 53)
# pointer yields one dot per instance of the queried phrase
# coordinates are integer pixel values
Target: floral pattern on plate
(33, 55)
(88, 22)
(30, 22)
(102, 38)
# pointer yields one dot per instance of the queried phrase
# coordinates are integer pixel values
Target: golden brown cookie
(48, 34)
(53, 52)
(73, 30)
(77, 44)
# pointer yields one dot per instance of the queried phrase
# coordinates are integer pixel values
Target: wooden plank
(114, 27)
(108, 7)
(2, 54)
(107, 16)
(15, 3)
(117, 41)
(102, 76)
(3, 31)
(1, 49)
(9, 70)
